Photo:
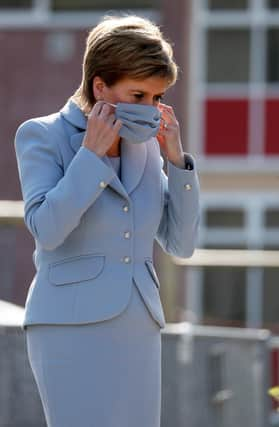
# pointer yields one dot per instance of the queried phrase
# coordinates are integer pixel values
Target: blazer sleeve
(54, 201)
(178, 229)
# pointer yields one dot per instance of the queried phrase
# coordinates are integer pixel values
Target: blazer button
(127, 234)
(187, 186)
(127, 259)
(102, 184)
(125, 208)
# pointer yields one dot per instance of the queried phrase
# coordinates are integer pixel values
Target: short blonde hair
(123, 46)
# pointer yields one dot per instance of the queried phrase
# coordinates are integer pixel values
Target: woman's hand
(102, 128)
(169, 136)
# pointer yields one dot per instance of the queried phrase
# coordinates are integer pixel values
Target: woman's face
(148, 91)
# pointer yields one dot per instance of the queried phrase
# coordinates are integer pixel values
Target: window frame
(41, 16)
(257, 19)
(254, 234)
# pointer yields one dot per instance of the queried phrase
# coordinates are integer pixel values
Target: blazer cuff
(189, 163)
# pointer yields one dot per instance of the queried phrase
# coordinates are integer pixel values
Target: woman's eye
(138, 95)
(159, 97)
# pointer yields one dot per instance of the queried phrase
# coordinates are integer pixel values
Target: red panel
(226, 126)
(272, 126)
(274, 373)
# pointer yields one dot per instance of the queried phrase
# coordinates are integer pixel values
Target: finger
(96, 109)
(117, 125)
(169, 120)
(167, 129)
(168, 114)
(111, 119)
(110, 106)
(165, 106)
(105, 111)
(164, 123)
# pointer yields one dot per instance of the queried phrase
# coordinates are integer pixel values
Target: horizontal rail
(12, 211)
(230, 258)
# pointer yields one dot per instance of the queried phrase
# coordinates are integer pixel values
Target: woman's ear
(98, 86)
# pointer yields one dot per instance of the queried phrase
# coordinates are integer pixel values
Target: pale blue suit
(94, 237)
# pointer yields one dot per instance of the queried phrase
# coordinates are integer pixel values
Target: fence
(213, 376)
(242, 258)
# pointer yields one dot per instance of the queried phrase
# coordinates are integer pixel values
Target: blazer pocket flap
(76, 269)
(151, 269)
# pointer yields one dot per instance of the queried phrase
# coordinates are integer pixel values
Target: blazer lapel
(133, 156)
(133, 159)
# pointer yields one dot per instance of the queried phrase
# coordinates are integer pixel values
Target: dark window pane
(15, 4)
(228, 53)
(273, 4)
(229, 218)
(272, 218)
(227, 4)
(224, 293)
(103, 4)
(271, 295)
(273, 55)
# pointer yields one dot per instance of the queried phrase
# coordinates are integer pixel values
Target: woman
(95, 197)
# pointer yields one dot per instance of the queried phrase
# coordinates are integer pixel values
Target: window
(227, 4)
(272, 218)
(15, 4)
(224, 217)
(237, 296)
(224, 296)
(61, 13)
(59, 5)
(273, 4)
(228, 55)
(270, 299)
(272, 55)
(236, 71)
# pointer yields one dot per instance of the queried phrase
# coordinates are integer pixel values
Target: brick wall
(39, 70)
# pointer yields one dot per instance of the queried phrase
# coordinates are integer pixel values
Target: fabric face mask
(139, 122)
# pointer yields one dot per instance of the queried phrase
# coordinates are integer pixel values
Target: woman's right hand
(102, 128)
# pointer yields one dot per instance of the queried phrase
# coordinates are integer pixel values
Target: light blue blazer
(93, 232)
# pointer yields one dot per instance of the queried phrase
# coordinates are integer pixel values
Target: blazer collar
(133, 156)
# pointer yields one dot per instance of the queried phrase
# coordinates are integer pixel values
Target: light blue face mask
(139, 122)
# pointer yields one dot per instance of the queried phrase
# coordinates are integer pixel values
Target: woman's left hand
(169, 136)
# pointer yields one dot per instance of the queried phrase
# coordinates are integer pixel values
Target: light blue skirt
(102, 374)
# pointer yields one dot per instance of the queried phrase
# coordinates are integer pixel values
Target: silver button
(127, 234)
(125, 208)
(127, 259)
(102, 184)
(187, 186)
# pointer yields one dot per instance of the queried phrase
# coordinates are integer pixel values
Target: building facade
(233, 129)
(226, 99)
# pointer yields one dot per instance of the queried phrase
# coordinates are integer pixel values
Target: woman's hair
(119, 47)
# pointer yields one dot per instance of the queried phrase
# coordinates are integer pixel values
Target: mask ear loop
(113, 105)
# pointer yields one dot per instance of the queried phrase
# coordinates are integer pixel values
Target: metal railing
(12, 212)
(230, 258)
(252, 259)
